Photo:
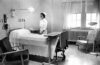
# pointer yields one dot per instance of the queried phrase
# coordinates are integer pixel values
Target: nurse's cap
(45, 13)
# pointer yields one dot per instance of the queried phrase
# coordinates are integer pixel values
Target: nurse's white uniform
(43, 26)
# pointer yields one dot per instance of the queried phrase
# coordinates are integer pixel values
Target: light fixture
(31, 9)
(92, 23)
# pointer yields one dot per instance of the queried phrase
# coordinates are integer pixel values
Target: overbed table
(50, 37)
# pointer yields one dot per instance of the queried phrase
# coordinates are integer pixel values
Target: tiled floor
(75, 57)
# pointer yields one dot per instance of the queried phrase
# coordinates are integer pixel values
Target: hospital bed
(37, 44)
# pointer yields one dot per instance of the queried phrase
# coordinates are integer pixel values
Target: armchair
(96, 45)
(90, 40)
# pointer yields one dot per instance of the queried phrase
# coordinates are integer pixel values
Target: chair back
(15, 57)
(5, 45)
(97, 39)
(92, 35)
(10, 57)
(64, 39)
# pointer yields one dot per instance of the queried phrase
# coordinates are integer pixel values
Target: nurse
(43, 23)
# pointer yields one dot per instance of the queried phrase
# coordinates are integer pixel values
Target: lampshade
(92, 23)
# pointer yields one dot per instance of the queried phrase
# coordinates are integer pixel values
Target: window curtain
(66, 14)
(92, 10)
(90, 7)
(71, 8)
(76, 7)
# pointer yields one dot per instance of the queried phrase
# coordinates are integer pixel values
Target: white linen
(24, 34)
(33, 36)
(43, 26)
(33, 39)
(16, 34)
(36, 43)
(82, 41)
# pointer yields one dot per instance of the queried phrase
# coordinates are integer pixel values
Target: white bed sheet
(23, 35)
(36, 43)
(33, 39)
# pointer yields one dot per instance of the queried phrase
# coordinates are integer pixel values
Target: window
(74, 20)
(80, 14)
(92, 17)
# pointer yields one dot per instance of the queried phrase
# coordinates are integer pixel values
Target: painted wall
(55, 10)
(31, 18)
(58, 15)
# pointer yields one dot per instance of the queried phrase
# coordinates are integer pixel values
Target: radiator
(75, 34)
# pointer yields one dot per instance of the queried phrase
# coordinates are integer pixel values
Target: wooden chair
(62, 44)
(8, 56)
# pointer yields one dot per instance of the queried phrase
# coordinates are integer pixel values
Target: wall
(47, 7)
(31, 18)
(55, 14)
(55, 10)
(58, 15)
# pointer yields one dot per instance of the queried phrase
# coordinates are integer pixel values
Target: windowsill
(80, 28)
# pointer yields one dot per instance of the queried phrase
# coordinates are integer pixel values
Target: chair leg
(56, 56)
(22, 61)
(3, 60)
(87, 48)
(78, 47)
(63, 51)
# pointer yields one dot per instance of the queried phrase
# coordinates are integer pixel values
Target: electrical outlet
(21, 20)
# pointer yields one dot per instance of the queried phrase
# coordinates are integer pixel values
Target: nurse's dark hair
(43, 15)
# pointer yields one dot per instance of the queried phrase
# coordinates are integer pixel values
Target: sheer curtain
(73, 14)
(80, 14)
(92, 14)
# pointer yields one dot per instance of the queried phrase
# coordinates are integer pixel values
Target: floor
(75, 57)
